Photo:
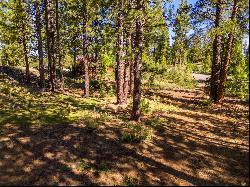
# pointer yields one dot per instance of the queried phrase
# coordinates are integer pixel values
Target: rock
(117, 108)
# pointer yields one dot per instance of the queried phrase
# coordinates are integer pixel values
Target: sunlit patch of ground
(65, 139)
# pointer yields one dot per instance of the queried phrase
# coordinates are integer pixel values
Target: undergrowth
(136, 133)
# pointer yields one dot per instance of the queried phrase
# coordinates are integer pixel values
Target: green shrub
(107, 61)
(239, 85)
(162, 78)
(136, 133)
(131, 181)
(182, 76)
(145, 106)
(103, 168)
(85, 166)
(6, 90)
(155, 123)
(96, 85)
(207, 86)
(101, 87)
(91, 124)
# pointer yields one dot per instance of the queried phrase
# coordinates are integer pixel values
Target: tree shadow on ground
(52, 155)
(43, 156)
(19, 75)
(196, 102)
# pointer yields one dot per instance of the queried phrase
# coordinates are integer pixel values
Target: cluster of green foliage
(101, 87)
(145, 106)
(91, 123)
(155, 123)
(131, 181)
(182, 76)
(88, 166)
(170, 77)
(136, 133)
(238, 84)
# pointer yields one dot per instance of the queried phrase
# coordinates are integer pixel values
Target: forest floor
(65, 139)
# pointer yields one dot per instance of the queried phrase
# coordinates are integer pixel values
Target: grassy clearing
(20, 106)
(171, 78)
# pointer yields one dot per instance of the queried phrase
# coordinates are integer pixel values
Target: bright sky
(176, 4)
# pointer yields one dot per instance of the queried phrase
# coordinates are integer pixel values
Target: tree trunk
(96, 64)
(136, 111)
(131, 82)
(50, 31)
(26, 60)
(127, 69)
(126, 81)
(215, 76)
(59, 49)
(74, 65)
(120, 56)
(40, 44)
(228, 54)
(85, 51)
(86, 76)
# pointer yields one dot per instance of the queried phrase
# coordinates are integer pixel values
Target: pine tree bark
(120, 56)
(86, 75)
(40, 44)
(27, 71)
(127, 68)
(215, 76)
(50, 31)
(131, 82)
(131, 46)
(59, 48)
(228, 54)
(136, 110)
(85, 51)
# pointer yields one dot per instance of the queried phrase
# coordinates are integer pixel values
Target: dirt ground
(198, 144)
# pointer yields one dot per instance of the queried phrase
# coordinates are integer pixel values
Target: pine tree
(228, 51)
(15, 33)
(217, 47)
(136, 110)
(181, 28)
(58, 47)
(38, 24)
(120, 53)
(50, 33)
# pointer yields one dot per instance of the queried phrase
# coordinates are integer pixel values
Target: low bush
(136, 133)
(91, 123)
(131, 181)
(145, 106)
(239, 84)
